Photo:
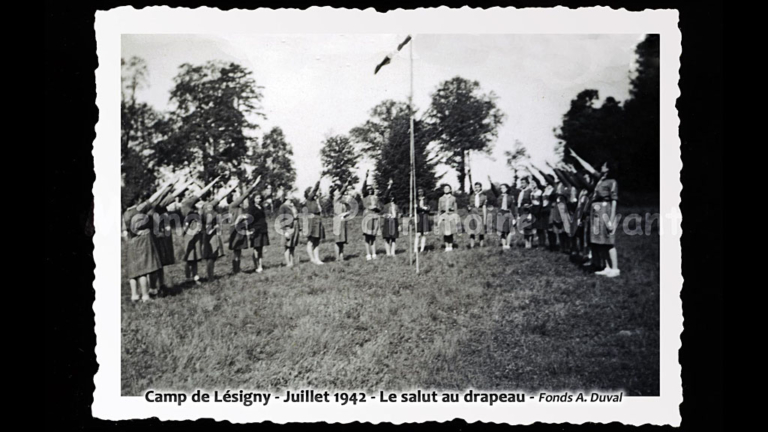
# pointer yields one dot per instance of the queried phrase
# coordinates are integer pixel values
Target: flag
(391, 55)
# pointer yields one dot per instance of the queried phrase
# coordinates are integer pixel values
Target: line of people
(569, 211)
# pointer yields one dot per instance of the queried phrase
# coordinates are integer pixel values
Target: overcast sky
(320, 84)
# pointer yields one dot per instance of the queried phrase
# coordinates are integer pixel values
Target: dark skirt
(541, 215)
(164, 244)
(423, 223)
(598, 231)
(370, 223)
(260, 240)
(213, 246)
(527, 221)
(240, 239)
(390, 228)
(193, 248)
(143, 258)
(316, 228)
(290, 237)
(504, 221)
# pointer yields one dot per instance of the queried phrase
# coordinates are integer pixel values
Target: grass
(486, 319)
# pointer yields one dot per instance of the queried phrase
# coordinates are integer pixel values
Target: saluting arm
(583, 163)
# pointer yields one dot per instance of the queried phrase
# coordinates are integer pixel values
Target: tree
(339, 158)
(375, 132)
(516, 157)
(214, 103)
(385, 138)
(628, 135)
(464, 119)
(138, 133)
(643, 118)
(273, 160)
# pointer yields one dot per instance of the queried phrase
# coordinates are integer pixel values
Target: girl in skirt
(507, 213)
(340, 213)
(289, 228)
(143, 258)
(315, 230)
(446, 216)
(390, 221)
(423, 223)
(163, 235)
(524, 200)
(249, 227)
(603, 222)
(478, 213)
(211, 243)
(192, 231)
(371, 211)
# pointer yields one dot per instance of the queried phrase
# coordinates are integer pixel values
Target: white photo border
(111, 25)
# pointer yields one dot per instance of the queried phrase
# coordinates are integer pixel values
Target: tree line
(213, 128)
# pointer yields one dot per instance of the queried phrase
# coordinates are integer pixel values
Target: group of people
(573, 211)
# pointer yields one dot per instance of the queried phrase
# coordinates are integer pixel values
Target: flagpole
(413, 152)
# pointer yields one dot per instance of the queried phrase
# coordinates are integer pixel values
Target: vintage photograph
(390, 211)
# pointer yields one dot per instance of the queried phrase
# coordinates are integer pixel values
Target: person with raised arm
(604, 223)
(212, 244)
(250, 226)
(143, 258)
(390, 224)
(539, 225)
(289, 227)
(446, 216)
(371, 211)
(315, 230)
(192, 231)
(423, 223)
(478, 212)
(548, 206)
(526, 219)
(163, 234)
(507, 213)
(341, 210)
(562, 217)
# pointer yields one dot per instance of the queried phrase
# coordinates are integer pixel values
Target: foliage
(463, 119)
(339, 158)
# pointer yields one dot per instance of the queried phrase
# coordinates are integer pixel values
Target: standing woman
(446, 216)
(507, 213)
(478, 209)
(603, 221)
(316, 230)
(289, 227)
(192, 231)
(340, 213)
(143, 258)
(524, 203)
(211, 243)
(391, 221)
(423, 224)
(371, 210)
(163, 235)
(244, 235)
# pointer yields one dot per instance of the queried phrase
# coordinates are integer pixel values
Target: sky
(315, 85)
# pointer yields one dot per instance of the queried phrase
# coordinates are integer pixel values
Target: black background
(70, 90)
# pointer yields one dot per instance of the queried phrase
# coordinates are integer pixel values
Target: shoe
(153, 291)
(612, 273)
(197, 280)
(135, 298)
(259, 270)
(373, 256)
(367, 257)
(603, 272)
(146, 299)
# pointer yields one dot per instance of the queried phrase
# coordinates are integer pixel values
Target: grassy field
(484, 318)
